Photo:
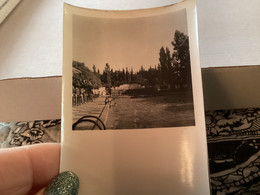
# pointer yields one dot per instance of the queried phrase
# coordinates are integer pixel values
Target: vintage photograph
(131, 73)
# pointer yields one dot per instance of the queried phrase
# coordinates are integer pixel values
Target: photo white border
(94, 155)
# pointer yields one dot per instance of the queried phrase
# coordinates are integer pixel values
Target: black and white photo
(131, 73)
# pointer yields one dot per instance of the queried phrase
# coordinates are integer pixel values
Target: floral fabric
(27, 133)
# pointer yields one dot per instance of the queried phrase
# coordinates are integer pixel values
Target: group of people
(80, 96)
(110, 101)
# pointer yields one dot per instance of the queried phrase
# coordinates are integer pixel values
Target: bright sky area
(130, 42)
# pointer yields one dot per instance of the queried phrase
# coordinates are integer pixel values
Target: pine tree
(181, 58)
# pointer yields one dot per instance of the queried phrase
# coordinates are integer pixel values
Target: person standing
(77, 96)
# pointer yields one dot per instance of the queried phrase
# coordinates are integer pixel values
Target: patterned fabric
(27, 133)
(233, 148)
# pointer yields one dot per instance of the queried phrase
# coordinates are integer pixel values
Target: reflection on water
(149, 112)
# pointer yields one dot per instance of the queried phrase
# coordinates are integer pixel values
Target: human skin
(27, 169)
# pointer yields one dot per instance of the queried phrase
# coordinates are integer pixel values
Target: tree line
(173, 70)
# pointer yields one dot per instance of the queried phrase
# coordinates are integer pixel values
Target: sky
(128, 42)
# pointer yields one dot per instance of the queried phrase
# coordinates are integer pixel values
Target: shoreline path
(96, 108)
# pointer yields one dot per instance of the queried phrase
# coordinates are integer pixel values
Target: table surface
(31, 36)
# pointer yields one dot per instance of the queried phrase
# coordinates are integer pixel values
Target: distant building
(101, 91)
(129, 86)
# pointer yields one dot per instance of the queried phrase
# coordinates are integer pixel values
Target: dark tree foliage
(163, 62)
(166, 67)
(106, 78)
(108, 75)
(128, 76)
(181, 60)
(124, 76)
(172, 70)
(83, 77)
(94, 69)
(132, 75)
(175, 68)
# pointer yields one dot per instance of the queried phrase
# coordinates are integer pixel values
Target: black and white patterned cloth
(26, 133)
(233, 146)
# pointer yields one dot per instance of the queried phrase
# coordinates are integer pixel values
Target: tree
(107, 73)
(124, 76)
(83, 77)
(132, 75)
(94, 69)
(128, 76)
(165, 65)
(181, 59)
(107, 78)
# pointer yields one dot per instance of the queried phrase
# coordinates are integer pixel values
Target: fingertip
(66, 183)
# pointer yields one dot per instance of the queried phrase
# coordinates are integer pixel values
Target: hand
(27, 169)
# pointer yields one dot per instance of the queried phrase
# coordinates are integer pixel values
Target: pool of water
(128, 112)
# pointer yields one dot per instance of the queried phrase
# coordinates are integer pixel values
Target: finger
(66, 183)
(26, 169)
